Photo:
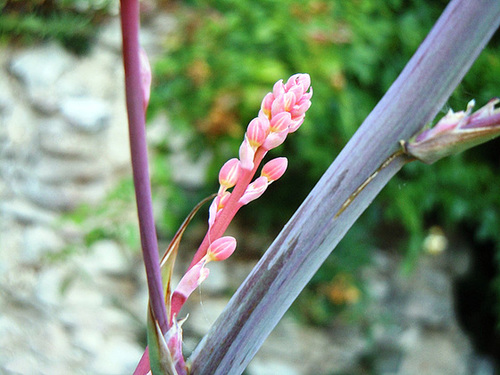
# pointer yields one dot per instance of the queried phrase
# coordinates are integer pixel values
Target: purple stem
(139, 153)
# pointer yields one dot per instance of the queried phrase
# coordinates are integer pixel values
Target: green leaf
(168, 260)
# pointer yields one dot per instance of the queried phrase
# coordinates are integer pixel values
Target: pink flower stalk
(282, 112)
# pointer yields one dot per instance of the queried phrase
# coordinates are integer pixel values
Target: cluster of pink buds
(282, 112)
(456, 132)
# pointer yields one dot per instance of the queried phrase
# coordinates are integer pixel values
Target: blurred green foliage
(72, 22)
(225, 55)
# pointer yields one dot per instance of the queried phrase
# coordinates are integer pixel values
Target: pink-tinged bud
(257, 132)
(274, 169)
(173, 338)
(191, 280)
(300, 108)
(455, 132)
(283, 102)
(295, 123)
(302, 80)
(229, 173)
(254, 190)
(278, 88)
(247, 154)
(145, 72)
(273, 140)
(221, 249)
(280, 122)
(266, 104)
(216, 207)
(278, 105)
(484, 112)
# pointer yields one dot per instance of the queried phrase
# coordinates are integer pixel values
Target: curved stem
(139, 155)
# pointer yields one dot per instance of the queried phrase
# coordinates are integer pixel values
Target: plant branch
(138, 148)
(299, 250)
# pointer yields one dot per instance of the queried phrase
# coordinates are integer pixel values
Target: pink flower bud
(221, 249)
(254, 190)
(283, 102)
(273, 140)
(455, 133)
(295, 124)
(274, 169)
(216, 207)
(229, 173)
(247, 154)
(266, 104)
(301, 80)
(300, 108)
(257, 131)
(173, 338)
(280, 122)
(278, 88)
(145, 72)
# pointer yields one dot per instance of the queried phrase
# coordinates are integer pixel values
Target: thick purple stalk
(299, 250)
(138, 149)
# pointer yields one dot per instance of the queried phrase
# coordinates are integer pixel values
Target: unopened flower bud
(257, 131)
(273, 140)
(280, 122)
(145, 72)
(229, 173)
(267, 102)
(254, 190)
(247, 154)
(221, 248)
(456, 132)
(274, 169)
(278, 88)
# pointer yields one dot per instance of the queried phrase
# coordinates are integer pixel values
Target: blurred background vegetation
(225, 55)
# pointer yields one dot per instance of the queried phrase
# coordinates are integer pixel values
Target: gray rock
(436, 353)
(107, 257)
(25, 213)
(87, 114)
(271, 367)
(52, 170)
(62, 197)
(38, 242)
(117, 355)
(110, 35)
(39, 69)
(57, 138)
(41, 65)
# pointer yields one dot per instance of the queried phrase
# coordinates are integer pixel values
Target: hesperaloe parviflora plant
(282, 113)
